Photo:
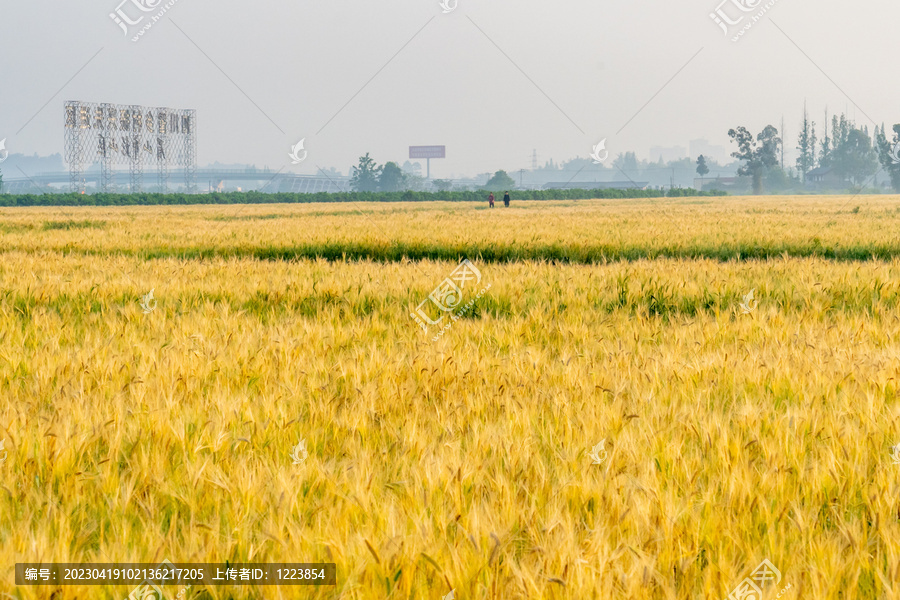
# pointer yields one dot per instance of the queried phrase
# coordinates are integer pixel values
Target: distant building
(598, 185)
(824, 177)
(717, 153)
(667, 154)
(305, 184)
(718, 183)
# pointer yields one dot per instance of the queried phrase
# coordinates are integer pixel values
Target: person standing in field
(491, 200)
(506, 199)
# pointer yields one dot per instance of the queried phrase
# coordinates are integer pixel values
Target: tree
(806, 144)
(1, 182)
(577, 165)
(860, 160)
(500, 181)
(329, 172)
(778, 180)
(416, 183)
(411, 168)
(840, 130)
(365, 175)
(825, 151)
(758, 154)
(702, 169)
(770, 145)
(626, 162)
(443, 185)
(392, 178)
(852, 154)
(889, 154)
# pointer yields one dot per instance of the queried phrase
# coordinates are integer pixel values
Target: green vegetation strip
(487, 252)
(652, 297)
(10, 200)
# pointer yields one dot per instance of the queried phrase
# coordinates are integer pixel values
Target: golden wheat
(462, 463)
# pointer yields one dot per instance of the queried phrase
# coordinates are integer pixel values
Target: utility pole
(783, 138)
(534, 160)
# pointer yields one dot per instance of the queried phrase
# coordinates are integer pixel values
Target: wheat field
(606, 421)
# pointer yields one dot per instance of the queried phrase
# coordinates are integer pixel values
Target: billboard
(114, 134)
(124, 133)
(428, 151)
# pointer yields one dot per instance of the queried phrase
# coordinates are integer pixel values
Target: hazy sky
(492, 80)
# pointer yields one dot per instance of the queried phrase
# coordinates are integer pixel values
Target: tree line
(252, 197)
(369, 176)
(846, 150)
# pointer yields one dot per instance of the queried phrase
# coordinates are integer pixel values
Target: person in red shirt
(491, 200)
